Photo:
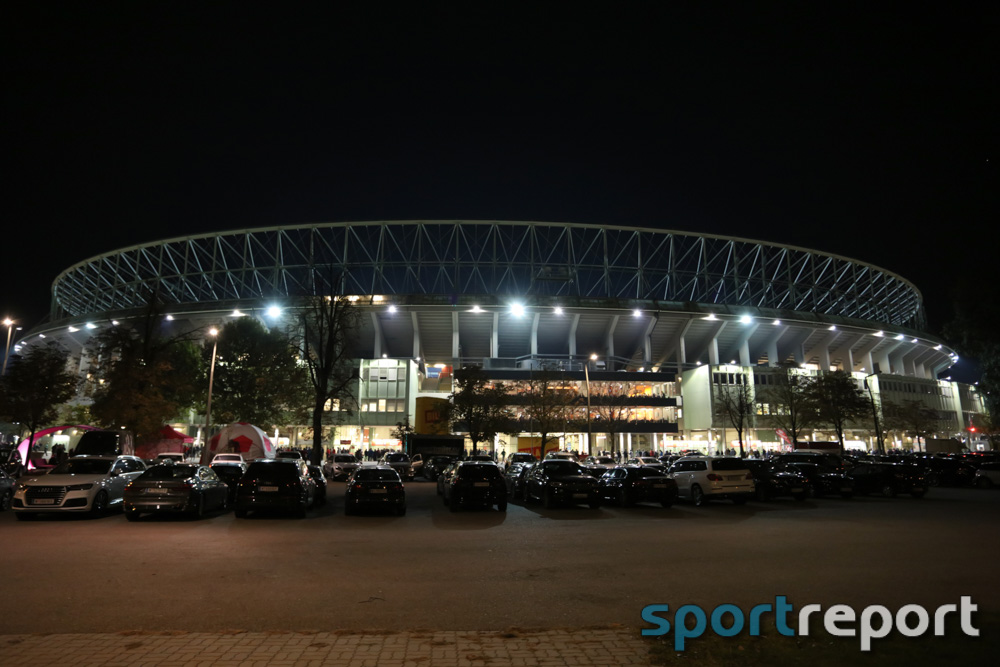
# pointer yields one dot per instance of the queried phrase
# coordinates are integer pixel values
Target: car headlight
(557, 485)
(79, 487)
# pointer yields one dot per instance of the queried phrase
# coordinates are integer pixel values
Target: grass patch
(820, 649)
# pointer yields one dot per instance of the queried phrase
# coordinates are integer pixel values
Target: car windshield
(647, 471)
(82, 467)
(228, 472)
(273, 470)
(605, 460)
(169, 472)
(397, 458)
(729, 464)
(563, 468)
(479, 472)
(344, 458)
(376, 475)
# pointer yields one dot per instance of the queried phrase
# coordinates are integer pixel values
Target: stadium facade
(672, 315)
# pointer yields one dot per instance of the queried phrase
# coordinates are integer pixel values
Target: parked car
(175, 487)
(822, 480)
(944, 471)
(557, 481)
(888, 479)
(176, 457)
(275, 484)
(399, 462)
(832, 461)
(703, 478)
(227, 458)
(417, 464)
(564, 456)
(291, 454)
(486, 458)
(340, 466)
(78, 484)
(231, 474)
(6, 491)
(988, 475)
(519, 457)
(445, 476)
(771, 482)
(476, 484)
(514, 479)
(628, 485)
(316, 473)
(375, 486)
(436, 464)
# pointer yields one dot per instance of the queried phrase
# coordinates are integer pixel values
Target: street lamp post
(590, 432)
(878, 429)
(214, 333)
(9, 323)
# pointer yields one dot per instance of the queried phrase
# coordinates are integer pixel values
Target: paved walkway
(548, 648)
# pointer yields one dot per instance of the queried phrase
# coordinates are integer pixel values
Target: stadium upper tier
(478, 258)
(462, 291)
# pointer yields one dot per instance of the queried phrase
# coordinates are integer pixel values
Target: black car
(559, 481)
(476, 484)
(514, 479)
(628, 485)
(6, 490)
(771, 482)
(944, 471)
(180, 487)
(316, 473)
(823, 481)
(445, 475)
(375, 487)
(436, 465)
(275, 484)
(888, 479)
(231, 474)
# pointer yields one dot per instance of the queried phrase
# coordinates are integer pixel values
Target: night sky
(858, 131)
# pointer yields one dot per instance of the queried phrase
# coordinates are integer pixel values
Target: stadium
(671, 314)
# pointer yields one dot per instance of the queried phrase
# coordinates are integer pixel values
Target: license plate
(480, 484)
(378, 491)
(267, 489)
(158, 491)
(579, 495)
(43, 501)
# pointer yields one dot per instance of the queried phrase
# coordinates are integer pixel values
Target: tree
(145, 377)
(735, 404)
(614, 407)
(838, 401)
(547, 404)
(478, 406)
(258, 377)
(403, 431)
(792, 407)
(329, 325)
(912, 418)
(36, 385)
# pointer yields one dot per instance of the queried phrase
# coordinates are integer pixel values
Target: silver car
(83, 484)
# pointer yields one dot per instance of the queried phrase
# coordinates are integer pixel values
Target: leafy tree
(329, 326)
(258, 377)
(478, 405)
(913, 418)
(792, 406)
(403, 431)
(838, 401)
(35, 385)
(547, 404)
(735, 404)
(613, 402)
(146, 377)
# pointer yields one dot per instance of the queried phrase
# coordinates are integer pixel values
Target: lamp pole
(878, 429)
(9, 324)
(214, 333)
(590, 432)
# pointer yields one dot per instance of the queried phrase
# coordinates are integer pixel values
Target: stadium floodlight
(746, 319)
(273, 312)
(517, 309)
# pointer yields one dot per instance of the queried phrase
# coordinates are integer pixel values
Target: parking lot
(528, 567)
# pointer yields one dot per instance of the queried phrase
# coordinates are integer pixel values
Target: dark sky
(864, 132)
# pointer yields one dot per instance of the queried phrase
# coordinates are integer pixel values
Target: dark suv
(281, 484)
(560, 481)
(889, 479)
(476, 483)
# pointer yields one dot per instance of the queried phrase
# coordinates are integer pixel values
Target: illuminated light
(937, 347)
(170, 318)
(114, 323)
(273, 311)
(879, 333)
(914, 340)
(862, 368)
(832, 328)
(213, 332)
(7, 321)
(237, 313)
(636, 313)
(776, 322)
(732, 361)
(899, 337)
(378, 298)
(746, 319)
(711, 316)
(73, 329)
(416, 358)
(384, 355)
(593, 357)
(476, 309)
(517, 309)
(392, 309)
(642, 368)
(558, 310)
(698, 363)
(41, 335)
(90, 325)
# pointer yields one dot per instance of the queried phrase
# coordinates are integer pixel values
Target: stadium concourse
(666, 318)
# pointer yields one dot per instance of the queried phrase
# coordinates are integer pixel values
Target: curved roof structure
(647, 298)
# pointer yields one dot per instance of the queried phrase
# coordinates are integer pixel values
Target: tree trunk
(317, 448)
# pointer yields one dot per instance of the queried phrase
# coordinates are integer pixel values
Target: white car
(78, 484)
(340, 466)
(176, 457)
(701, 478)
(227, 458)
(988, 476)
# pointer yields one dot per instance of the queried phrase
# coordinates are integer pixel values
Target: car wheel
(199, 508)
(502, 507)
(888, 491)
(24, 516)
(623, 498)
(524, 495)
(5, 501)
(132, 514)
(455, 502)
(241, 514)
(697, 496)
(100, 504)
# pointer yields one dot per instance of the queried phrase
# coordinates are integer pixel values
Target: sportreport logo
(690, 621)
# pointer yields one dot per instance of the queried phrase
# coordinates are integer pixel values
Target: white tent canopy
(240, 438)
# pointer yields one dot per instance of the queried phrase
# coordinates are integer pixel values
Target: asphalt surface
(528, 568)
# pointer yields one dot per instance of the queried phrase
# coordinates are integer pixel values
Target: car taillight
(358, 487)
(714, 478)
